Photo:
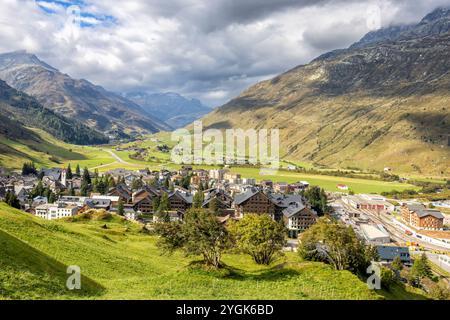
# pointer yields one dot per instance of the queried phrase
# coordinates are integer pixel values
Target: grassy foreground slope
(121, 263)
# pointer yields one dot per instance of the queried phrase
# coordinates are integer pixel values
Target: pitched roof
(97, 203)
(421, 211)
(293, 209)
(284, 201)
(242, 197)
(187, 197)
(54, 173)
(390, 252)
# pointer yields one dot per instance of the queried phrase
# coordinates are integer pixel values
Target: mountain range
(174, 109)
(81, 100)
(382, 102)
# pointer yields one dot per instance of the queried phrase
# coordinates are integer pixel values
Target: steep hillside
(383, 102)
(176, 110)
(19, 110)
(120, 262)
(79, 99)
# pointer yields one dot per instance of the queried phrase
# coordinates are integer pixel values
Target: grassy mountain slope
(382, 103)
(22, 110)
(121, 263)
(44, 150)
(78, 99)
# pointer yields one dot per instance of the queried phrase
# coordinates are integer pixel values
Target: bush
(439, 291)
(388, 278)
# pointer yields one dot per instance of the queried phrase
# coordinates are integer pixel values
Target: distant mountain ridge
(172, 108)
(108, 112)
(382, 102)
(18, 111)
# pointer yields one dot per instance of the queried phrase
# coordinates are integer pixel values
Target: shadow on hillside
(219, 125)
(274, 273)
(28, 273)
(433, 127)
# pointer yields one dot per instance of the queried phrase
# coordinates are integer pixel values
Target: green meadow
(117, 261)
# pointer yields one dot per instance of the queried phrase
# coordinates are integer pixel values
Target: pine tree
(29, 168)
(421, 269)
(214, 206)
(198, 200)
(84, 190)
(86, 176)
(12, 200)
(397, 264)
(166, 183)
(164, 203)
(51, 197)
(156, 202)
(69, 174)
(78, 171)
(120, 209)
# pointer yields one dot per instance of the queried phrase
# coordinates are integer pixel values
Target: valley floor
(54, 153)
(120, 262)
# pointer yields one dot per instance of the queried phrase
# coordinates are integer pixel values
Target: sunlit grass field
(120, 262)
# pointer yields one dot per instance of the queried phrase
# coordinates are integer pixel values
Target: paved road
(117, 158)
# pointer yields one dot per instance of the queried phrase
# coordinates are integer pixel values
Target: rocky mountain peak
(438, 14)
(22, 58)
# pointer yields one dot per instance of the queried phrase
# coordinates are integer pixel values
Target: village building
(253, 201)
(97, 204)
(72, 200)
(122, 191)
(298, 218)
(420, 217)
(283, 201)
(223, 200)
(39, 200)
(143, 199)
(217, 174)
(180, 201)
(55, 211)
(22, 192)
(114, 199)
(281, 187)
(387, 254)
(368, 202)
(374, 235)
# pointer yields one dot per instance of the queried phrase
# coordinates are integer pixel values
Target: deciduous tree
(260, 237)
(336, 244)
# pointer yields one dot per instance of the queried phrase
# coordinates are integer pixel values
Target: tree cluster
(335, 243)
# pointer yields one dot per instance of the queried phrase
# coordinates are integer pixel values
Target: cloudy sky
(207, 49)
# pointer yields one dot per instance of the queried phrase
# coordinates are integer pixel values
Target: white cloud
(211, 50)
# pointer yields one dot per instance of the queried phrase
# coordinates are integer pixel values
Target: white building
(217, 174)
(56, 211)
(72, 200)
(249, 181)
(374, 235)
